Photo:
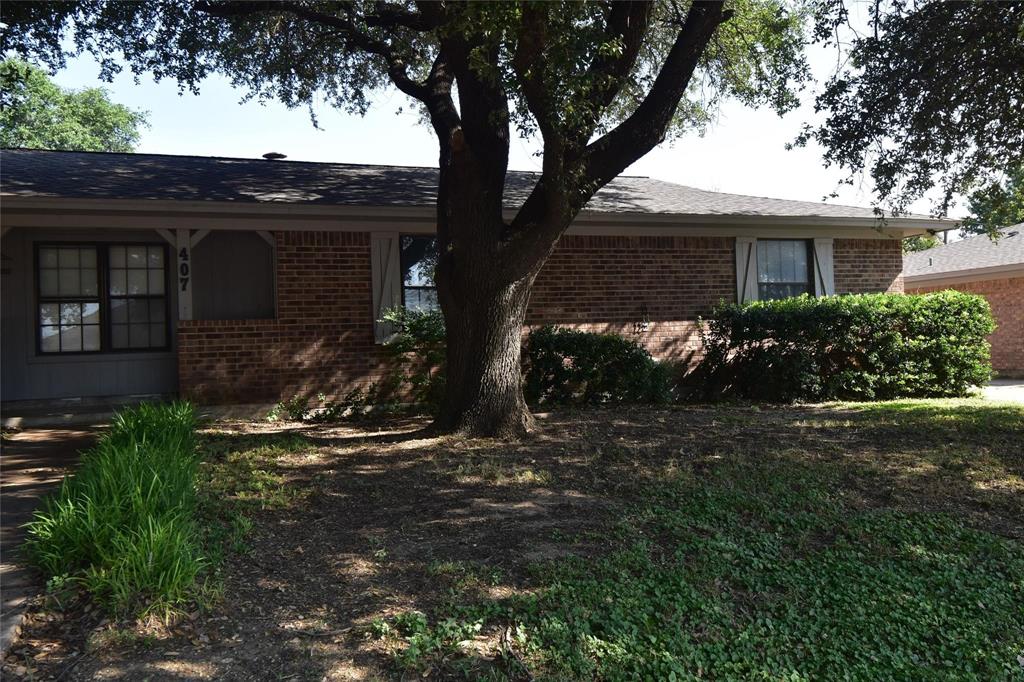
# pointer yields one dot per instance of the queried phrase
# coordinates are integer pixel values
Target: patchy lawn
(874, 540)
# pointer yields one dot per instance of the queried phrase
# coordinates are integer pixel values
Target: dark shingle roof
(85, 175)
(972, 253)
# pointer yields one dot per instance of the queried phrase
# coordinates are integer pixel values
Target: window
(69, 300)
(95, 298)
(418, 260)
(783, 268)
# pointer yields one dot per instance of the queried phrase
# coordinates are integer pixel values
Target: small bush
(857, 347)
(569, 367)
(123, 526)
(418, 352)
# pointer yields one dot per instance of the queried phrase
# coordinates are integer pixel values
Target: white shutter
(746, 269)
(387, 284)
(824, 278)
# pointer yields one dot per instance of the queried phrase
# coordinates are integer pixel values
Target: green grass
(765, 567)
(123, 526)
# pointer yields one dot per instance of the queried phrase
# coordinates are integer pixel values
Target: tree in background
(927, 95)
(1000, 204)
(931, 94)
(920, 243)
(38, 114)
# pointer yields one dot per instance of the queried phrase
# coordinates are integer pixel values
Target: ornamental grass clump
(123, 525)
(853, 347)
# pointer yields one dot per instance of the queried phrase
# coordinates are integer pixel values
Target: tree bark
(483, 389)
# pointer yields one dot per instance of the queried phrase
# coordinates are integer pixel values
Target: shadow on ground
(384, 520)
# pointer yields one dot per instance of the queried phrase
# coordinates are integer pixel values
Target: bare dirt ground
(357, 523)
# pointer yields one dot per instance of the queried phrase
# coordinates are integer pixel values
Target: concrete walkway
(32, 463)
(1006, 390)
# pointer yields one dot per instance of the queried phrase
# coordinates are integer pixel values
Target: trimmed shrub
(854, 347)
(123, 526)
(569, 367)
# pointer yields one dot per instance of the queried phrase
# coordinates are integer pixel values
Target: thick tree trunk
(484, 393)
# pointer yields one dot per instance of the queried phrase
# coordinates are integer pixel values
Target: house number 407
(184, 270)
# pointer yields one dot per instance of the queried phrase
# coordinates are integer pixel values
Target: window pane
(90, 337)
(116, 256)
(87, 257)
(138, 311)
(89, 283)
(119, 336)
(49, 313)
(118, 283)
(118, 311)
(47, 258)
(157, 335)
(70, 338)
(68, 257)
(91, 313)
(136, 256)
(156, 310)
(782, 261)
(156, 281)
(419, 258)
(70, 284)
(156, 257)
(70, 313)
(138, 335)
(418, 261)
(48, 282)
(137, 282)
(50, 339)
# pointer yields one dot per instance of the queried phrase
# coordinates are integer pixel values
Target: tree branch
(345, 25)
(536, 228)
(628, 23)
(646, 127)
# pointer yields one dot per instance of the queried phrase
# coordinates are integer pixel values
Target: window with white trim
(93, 298)
(784, 268)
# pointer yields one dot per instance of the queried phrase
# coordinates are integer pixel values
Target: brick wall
(1006, 296)
(863, 266)
(607, 284)
(322, 338)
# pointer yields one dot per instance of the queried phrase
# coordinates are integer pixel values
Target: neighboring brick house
(979, 265)
(239, 280)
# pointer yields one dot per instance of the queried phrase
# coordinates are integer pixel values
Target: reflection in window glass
(419, 260)
(783, 268)
(72, 301)
(69, 317)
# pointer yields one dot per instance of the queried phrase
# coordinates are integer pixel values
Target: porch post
(184, 255)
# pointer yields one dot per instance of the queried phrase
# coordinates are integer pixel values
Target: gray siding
(26, 375)
(233, 274)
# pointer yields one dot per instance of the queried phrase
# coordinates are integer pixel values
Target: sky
(743, 152)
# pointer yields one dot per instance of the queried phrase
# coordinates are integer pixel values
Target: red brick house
(979, 265)
(240, 280)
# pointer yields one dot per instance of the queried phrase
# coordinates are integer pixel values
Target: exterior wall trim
(35, 211)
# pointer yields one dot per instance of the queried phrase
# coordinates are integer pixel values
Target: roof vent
(929, 261)
(1012, 234)
(274, 156)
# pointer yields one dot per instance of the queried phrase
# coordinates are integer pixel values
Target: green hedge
(569, 367)
(123, 526)
(855, 347)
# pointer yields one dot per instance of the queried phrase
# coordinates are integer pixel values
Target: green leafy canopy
(36, 113)
(281, 52)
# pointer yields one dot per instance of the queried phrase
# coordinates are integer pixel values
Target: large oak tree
(600, 83)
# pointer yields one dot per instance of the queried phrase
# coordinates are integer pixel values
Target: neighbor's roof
(974, 254)
(92, 175)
